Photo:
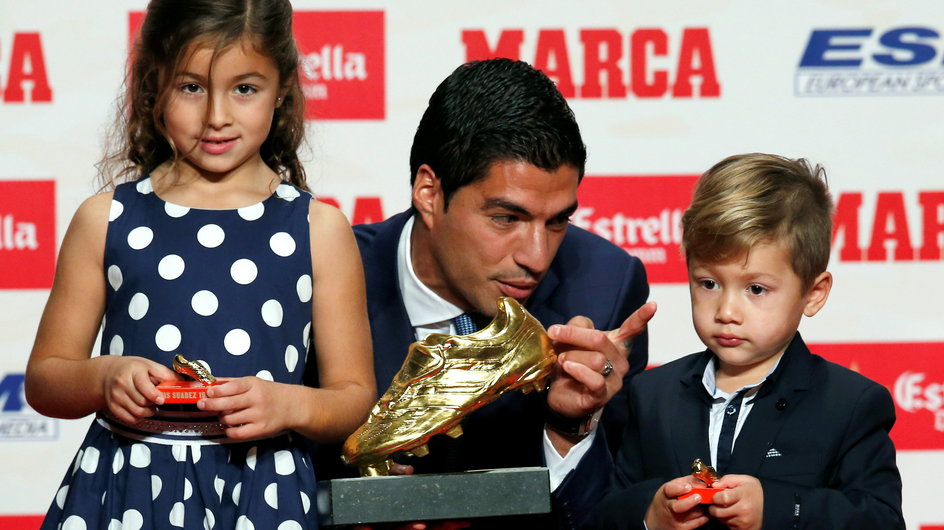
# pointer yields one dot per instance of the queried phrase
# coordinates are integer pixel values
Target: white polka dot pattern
(232, 289)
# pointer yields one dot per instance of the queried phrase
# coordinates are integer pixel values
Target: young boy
(800, 442)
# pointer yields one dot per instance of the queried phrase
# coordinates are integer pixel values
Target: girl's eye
(245, 90)
(709, 284)
(757, 289)
(190, 88)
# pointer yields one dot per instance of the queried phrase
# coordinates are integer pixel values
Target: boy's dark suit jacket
(589, 276)
(816, 438)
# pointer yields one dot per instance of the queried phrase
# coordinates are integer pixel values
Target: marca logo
(365, 210)
(870, 62)
(26, 78)
(27, 234)
(642, 215)
(888, 214)
(648, 62)
(914, 375)
(18, 422)
(342, 63)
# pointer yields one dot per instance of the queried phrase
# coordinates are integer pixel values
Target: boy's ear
(427, 194)
(818, 293)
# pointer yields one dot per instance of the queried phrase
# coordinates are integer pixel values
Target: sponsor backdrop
(662, 90)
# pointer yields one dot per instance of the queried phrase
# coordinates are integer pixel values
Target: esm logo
(647, 62)
(870, 62)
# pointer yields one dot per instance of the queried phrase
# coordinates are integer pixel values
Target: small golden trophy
(187, 391)
(709, 476)
(444, 378)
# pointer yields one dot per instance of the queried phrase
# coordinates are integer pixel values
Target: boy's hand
(667, 511)
(741, 504)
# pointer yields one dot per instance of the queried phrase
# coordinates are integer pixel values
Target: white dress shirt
(430, 313)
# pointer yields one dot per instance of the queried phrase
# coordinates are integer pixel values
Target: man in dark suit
(800, 442)
(495, 166)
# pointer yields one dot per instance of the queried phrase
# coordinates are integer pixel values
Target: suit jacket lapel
(390, 325)
(689, 417)
(539, 303)
(775, 401)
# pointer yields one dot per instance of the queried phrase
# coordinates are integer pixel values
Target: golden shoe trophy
(180, 392)
(709, 476)
(444, 378)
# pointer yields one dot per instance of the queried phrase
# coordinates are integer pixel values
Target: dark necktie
(728, 425)
(464, 324)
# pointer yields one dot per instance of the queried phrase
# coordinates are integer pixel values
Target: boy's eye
(757, 289)
(245, 90)
(709, 284)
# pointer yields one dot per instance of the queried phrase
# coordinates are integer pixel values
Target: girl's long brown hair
(139, 140)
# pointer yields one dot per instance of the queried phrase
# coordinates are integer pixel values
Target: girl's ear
(818, 293)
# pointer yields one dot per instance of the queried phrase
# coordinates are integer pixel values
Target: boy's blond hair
(755, 198)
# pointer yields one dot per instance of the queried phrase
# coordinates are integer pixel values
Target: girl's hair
(168, 35)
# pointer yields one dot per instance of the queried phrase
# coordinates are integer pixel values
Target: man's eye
(504, 219)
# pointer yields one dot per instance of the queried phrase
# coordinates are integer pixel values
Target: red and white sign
(646, 63)
(27, 234)
(642, 215)
(26, 79)
(888, 218)
(342, 66)
(913, 373)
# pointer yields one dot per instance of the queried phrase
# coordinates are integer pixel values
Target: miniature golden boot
(195, 369)
(444, 378)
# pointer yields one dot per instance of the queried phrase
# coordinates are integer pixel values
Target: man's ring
(607, 368)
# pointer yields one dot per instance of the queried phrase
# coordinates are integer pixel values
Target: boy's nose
(728, 310)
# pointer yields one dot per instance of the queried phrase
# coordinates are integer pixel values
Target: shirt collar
(423, 306)
(711, 384)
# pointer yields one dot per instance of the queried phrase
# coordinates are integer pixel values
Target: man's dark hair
(493, 111)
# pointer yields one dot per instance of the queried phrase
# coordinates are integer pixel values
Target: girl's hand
(250, 407)
(129, 386)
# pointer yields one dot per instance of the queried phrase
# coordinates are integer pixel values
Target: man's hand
(579, 387)
(741, 505)
(668, 511)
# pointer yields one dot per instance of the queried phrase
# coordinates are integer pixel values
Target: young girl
(215, 253)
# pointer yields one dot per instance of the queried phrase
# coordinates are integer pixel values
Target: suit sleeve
(629, 493)
(864, 490)
(633, 293)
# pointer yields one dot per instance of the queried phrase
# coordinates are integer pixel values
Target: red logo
(887, 214)
(366, 210)
(641, 215)
(26, 78)
(341, 68)
(342, 63)
(914, 375)
(646, 63)
(27, 234)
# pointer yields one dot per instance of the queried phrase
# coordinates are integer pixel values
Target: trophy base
(404, 498)
(707, 494)
(177, 392)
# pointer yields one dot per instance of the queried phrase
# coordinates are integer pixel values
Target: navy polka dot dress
(231, 288)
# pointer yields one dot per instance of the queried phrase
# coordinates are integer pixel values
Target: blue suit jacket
(816, 438)
(589, 276)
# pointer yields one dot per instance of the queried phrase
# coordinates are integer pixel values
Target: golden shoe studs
(446, 377)
(195, 369)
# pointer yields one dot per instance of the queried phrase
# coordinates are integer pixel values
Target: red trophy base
(707, 494)
(183, 391)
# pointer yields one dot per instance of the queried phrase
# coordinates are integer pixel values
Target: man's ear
(818, 293)
(427, 194)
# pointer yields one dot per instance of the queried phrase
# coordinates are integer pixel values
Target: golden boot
(446, 377)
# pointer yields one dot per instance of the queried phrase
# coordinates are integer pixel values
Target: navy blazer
(816, 438)
(589, 276)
